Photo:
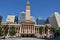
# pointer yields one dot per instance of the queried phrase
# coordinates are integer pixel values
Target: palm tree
(12, 31)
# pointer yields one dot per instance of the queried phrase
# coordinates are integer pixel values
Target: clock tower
(28, 11)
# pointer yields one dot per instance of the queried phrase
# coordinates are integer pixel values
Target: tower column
(28, 11)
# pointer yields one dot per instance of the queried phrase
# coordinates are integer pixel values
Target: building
(32, 18)
(12, 19)
(54, 20)
(0, 19)
(22, 17)
(40, 21)
(47, 21)
(26, 27)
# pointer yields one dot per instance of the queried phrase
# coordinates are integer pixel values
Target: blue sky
(42, 8)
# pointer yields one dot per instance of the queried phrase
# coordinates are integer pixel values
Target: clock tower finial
(28, 2)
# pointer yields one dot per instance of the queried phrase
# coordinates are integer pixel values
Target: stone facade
(27, 28)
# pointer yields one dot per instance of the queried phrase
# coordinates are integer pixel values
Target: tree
(1, 32)
(12, 31)
(55, 31)
(5, 27)
(46, 28)
(40, 30)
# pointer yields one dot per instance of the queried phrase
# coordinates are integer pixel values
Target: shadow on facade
(27, 35)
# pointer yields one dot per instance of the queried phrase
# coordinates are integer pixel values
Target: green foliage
(1, 32)
(0, 28)
(12, 31)
(46, 29)
(41, 29)
(55, 31)
(12, 27)
(5, 27)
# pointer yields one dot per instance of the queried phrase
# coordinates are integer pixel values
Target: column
(38, 30)
(20, 29)
(34, 29)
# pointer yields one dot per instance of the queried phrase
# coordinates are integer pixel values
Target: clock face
(28, 7)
